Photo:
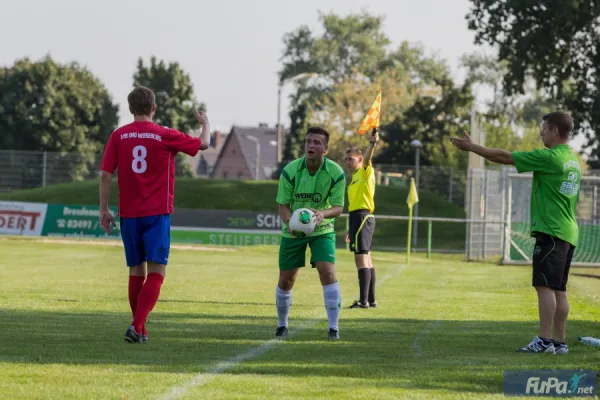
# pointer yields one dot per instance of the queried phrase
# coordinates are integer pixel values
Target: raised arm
(202, 119)
(499, 156)
(371, 149)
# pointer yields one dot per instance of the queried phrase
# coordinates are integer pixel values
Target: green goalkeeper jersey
(322, 190)
(554, 190)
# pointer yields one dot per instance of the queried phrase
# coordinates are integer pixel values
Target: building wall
(232, 164)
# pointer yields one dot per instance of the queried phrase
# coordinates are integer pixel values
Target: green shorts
(292, 251)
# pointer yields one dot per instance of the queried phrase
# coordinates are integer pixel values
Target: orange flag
(372, 119)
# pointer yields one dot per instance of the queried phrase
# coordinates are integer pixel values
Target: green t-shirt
(320, 191)
(554, 190)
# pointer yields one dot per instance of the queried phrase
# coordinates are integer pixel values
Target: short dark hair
(560, 120)
(141, 99)
(355, 151)
(318, 131)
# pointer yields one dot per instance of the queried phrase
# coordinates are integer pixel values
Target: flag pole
(412, 199)
(410, 213)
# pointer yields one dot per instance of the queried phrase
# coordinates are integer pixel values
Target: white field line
(212, 372)
(110, 242)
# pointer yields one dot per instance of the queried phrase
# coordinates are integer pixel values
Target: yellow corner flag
(411, 200)
(372, 119)
(413, 197)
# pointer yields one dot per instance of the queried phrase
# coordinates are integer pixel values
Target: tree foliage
(64, 108)
(556, 43)
(175, 99)
(342, 70)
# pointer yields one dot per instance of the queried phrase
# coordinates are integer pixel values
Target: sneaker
(281, 332)
(358, 304)
(333, 334)
(144, 338)
(131, 336)
(560, 348)
(537, 345)
(373, 304)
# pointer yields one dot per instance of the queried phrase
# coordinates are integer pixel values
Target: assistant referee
(361, 204)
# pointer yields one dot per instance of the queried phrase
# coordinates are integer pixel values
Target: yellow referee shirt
(361, 191)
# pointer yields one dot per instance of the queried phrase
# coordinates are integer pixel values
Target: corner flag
(411, 200)
(372, 119)
(413, 197)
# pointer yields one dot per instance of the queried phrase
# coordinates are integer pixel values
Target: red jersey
(144, 154)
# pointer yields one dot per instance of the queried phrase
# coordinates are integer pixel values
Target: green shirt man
(554, 190)
(315, 182)
(554, 196)
(298, 188)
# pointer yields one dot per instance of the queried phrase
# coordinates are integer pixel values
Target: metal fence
(32, 169)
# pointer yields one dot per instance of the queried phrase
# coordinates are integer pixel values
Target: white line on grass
(212, 372)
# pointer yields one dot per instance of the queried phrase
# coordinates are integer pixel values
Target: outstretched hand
(463, 143)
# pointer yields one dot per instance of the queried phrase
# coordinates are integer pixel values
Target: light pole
(279, 127)
(255, 140)
(417, 145)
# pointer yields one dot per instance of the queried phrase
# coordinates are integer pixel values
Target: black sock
(364, 279)
(546, 341)
(557, 342)
(372, 286)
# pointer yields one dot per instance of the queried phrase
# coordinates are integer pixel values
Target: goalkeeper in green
(316, 182)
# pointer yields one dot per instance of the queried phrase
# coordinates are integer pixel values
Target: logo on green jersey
(315, 197)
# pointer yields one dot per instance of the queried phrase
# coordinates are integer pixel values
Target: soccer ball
(302, 222)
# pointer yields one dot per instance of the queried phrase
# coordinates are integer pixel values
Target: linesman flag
(372, 119)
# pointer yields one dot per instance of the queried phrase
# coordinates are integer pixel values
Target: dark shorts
(361, 228)
(551, 262)
(146, 239)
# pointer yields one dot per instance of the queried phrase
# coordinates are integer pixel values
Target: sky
(230, 48)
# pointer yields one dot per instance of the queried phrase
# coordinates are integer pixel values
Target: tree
(342, 109)
(511, 121)
(64, 108)
(348, 63)
(556, 44)
(175, 100)
(432, 120)
(349, 45)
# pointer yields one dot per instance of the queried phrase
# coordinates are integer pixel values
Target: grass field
(445, 329)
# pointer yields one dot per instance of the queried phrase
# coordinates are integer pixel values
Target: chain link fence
(33, 169)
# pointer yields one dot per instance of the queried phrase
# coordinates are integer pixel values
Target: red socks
(147, 299)
(135, 287)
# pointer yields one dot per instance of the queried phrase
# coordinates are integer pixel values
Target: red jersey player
(143, 153)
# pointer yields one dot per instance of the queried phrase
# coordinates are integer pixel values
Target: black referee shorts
(551, 262)
(362, 226)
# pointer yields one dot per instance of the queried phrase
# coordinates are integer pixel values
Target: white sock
(333, 303)
(283, 300)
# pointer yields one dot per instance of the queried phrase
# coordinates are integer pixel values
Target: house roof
(268, 148)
